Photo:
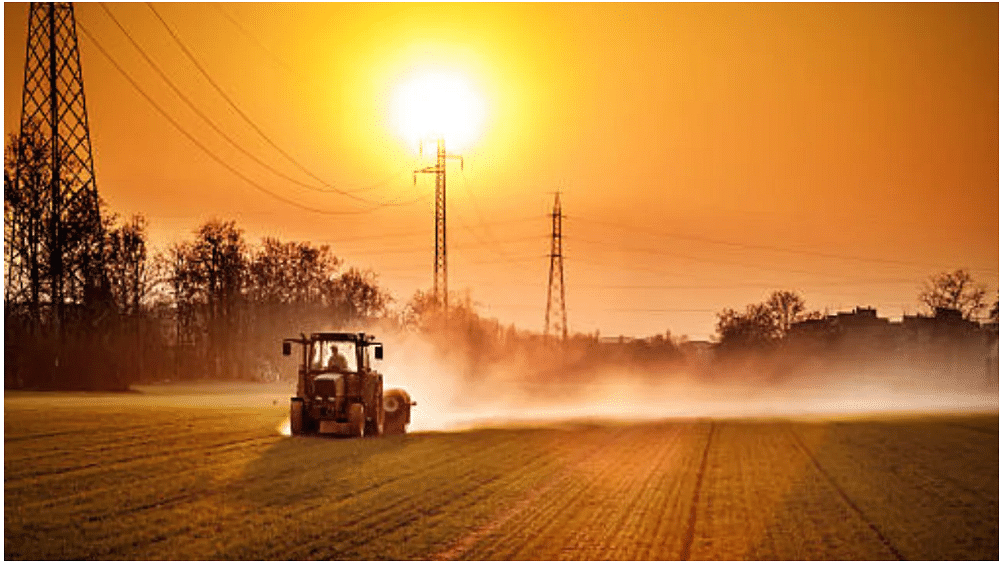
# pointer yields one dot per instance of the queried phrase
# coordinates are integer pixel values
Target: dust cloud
(456, 388)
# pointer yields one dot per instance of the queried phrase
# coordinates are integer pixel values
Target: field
(187, 474)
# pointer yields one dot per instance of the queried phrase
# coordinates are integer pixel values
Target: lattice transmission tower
(556, 319)
(440, 283)
(52, 215)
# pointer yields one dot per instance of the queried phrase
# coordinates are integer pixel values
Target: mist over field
(454, 391)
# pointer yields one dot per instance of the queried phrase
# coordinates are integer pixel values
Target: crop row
(165, 481)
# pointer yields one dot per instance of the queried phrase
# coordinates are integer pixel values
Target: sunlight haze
(707, 153)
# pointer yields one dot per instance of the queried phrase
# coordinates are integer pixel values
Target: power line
(749, 286)
(242, 114)
(480, 217)
(416, 233)
(250, 36)
(694, 258)
(201, 146)
(761, 246)
(197, 111)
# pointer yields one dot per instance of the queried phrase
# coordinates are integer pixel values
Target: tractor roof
(354, 337)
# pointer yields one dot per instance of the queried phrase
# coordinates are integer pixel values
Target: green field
(171, 473)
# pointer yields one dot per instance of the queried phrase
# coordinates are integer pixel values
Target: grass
(175, 472)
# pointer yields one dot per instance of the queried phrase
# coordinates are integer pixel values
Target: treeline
(207, 308)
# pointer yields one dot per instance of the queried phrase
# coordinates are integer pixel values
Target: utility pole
(67, 226)
(556, 317)
(440, 289)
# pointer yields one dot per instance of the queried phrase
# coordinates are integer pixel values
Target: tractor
(338, 392)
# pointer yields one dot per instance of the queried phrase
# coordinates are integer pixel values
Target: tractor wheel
(356, 420)
(375, 428)
(396, 407)
(296, 417)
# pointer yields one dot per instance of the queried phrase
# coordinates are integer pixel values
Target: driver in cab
(336, 361)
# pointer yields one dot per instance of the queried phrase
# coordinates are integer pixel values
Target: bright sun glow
(433, 104)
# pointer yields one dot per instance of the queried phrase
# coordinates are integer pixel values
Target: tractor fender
(397, 408)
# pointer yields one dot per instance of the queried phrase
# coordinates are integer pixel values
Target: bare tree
(126, 263)
(955, 290)
(357, 295)
(756, 327)
(421, 311)
(788, 307)
(27, 165)
(207, 280)
(291, 272)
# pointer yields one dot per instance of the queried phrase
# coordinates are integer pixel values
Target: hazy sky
(708, 153)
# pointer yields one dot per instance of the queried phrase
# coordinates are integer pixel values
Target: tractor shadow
(305, 471)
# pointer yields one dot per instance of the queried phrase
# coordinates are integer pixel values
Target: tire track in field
(159, 491)
(135, 459)
(631, 501)
(529, 499)
(995, 432)
(670, 497)
(599, 525)
(405, 504)
(199, 497)
(104, 439)
(464, 544)
(934, 467)
(485, 485)
(692, 524)
(102, 449)
(564, 500)
(379, 528)
(98, 430)
(582, 494)
(846, 498)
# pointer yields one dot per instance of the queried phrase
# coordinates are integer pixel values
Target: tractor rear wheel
(357, 420)
(394, 405)
(375, 428)
(296, 417)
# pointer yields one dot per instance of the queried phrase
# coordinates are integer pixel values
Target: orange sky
(698, 145)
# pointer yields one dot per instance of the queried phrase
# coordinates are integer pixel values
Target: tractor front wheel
(357, 420)
(296, 417)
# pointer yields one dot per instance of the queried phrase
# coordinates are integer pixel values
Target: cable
(253, 39)
(237, 109)
(480, 217)
(202, 147)
(202, 115)
(694, 258)
(760, 246)
(413, 233)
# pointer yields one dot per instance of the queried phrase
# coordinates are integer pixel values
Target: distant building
(945, 341)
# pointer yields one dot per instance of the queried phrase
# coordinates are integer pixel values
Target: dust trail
(455, 393)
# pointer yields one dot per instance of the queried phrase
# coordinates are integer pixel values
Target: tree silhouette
(126, 263)
(761, 324)
(954, 290)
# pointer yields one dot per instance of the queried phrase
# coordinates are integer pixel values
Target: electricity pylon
(440, 289)
(556, 318)
(63, 226)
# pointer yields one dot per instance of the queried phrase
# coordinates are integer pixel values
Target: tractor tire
(357, 420)
(397, 406)
(375, 428)
(296, 417)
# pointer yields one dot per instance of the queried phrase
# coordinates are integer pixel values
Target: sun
(428, 105)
